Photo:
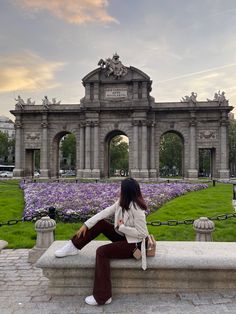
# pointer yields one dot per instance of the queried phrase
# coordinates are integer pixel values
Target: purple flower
(86, 199)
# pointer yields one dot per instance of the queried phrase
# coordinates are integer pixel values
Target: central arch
(111, 135)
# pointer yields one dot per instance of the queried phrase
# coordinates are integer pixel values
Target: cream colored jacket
(134, 227)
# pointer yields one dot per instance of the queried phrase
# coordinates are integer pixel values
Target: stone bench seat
(177, 267)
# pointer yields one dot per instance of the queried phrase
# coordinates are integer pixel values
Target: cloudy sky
(48, 46)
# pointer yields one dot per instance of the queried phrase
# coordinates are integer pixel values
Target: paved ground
(23, 290)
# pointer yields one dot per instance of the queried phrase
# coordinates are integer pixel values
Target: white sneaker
(66, 250)
(91, 301)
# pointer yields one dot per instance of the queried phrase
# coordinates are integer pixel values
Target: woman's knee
(101, 251)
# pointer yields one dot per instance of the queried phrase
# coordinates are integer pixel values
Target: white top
(134, 227)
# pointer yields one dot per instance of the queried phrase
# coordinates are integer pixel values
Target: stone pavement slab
(23, 289)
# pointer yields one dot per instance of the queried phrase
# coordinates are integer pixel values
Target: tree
(205, 162)
(232, 147)
(68, 149)
(3, 144)
(7, 148)
(119, 154)
(171, 154)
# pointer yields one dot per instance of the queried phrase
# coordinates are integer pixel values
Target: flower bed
(86, 199)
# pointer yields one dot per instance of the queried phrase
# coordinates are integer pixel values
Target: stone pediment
(113, 81)
(99, 75)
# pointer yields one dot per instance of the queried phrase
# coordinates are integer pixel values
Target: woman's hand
(82, 231)
(120, 222)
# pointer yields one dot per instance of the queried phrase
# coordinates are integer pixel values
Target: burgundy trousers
(119, 248)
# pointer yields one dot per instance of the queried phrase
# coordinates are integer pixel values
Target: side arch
(54, 150)
(171, 154)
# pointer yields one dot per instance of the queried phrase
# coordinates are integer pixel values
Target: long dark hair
(130, 192)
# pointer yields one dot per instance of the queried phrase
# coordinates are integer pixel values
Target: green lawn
(210, 202)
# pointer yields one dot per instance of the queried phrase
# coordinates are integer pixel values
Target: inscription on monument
(116, 92)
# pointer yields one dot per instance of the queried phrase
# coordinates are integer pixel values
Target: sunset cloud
(72, 11)
(27, 71)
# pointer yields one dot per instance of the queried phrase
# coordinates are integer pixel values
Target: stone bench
(177, 267)
(3, 244)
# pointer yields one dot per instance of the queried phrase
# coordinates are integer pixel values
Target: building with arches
(117, 101)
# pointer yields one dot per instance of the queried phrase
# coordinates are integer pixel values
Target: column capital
(82, 124)
(44, 125)
(135, 122)
(224, 122)
(144, 122)
(151, 123)
(95, 123)
(18, 125)
(193, 123)
(88, 123)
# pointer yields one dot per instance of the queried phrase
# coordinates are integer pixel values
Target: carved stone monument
(117, 101)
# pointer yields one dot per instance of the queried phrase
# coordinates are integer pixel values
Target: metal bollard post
(214, 182)
(204, 228)
(52, 212)
(234, 197)
(45, 236)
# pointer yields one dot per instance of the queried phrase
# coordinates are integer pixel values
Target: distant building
(7, 126)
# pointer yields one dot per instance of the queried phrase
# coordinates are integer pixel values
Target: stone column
(144, 148)
(87, 170)
(135, 150)
(81, 151)
(96, 91)
(44, 151)
(135, 90)
(224, 170)
(96, 168)
(204, 228)
(192, 171)
(18, 171)
(144, 89)
(45, 236)
(87, 91)
(152, 171)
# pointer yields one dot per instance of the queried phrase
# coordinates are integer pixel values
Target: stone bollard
(45, 236)
(204, 228)
(3, 244)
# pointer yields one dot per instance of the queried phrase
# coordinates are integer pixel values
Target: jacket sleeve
(140, 226)
(105, 213)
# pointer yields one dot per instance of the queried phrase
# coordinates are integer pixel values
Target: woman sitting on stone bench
(128, 231)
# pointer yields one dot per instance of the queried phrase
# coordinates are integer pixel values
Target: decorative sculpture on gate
(29, 102)
(113, 67)
(55, 102)
(20, 102)
(46, 102)
(192, 98)
(220, 98)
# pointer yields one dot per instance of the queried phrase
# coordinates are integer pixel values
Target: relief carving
(207, 134)
(32, 136)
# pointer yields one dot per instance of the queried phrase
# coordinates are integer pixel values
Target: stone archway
(171, 154)
(118, 98)
(55, 158)
(107, 142)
